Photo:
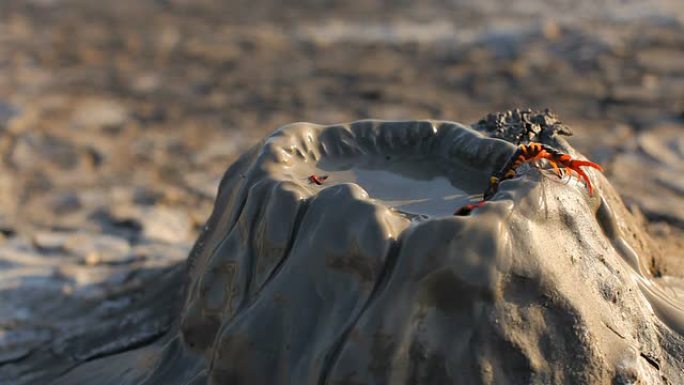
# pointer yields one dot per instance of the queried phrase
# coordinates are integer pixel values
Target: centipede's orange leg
(570, 165)
(555, 168)
(543, 154)
(570, 171)
(575, 165)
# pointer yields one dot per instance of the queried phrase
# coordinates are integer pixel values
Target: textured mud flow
(368, 278)
(668, 307)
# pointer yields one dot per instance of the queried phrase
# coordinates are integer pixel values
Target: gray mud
(295, 283)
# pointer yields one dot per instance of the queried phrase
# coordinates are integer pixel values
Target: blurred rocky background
(117, 120)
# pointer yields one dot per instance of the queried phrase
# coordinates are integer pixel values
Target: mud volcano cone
(363, 275)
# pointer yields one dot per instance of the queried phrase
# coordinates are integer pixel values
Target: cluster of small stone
(523, 126)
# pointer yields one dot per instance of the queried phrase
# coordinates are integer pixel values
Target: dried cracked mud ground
(119, 119)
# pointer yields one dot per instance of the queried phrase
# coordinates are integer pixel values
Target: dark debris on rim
(523, 126)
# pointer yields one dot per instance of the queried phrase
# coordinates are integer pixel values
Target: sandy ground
(119, 118)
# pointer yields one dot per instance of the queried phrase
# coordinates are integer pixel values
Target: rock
(162, 252)
(20, 251)
(647, 173)
(65, 203)
(146, 83)
(153, 223)
(32, 150)
(221, 149)
(165, 224)
(369, 278)
(50, 241)
(662, 60)
(665, 144)
(100, 113)
(7, 112)
(93, 281)
(95, 249)
(202, 183)
(16, 344)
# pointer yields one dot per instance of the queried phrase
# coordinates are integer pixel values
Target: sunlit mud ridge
(367, 277)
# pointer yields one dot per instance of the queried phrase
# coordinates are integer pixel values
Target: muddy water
(419, 188)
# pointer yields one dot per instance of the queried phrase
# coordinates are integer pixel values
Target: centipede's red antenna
(318, 179)
(465, 210)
